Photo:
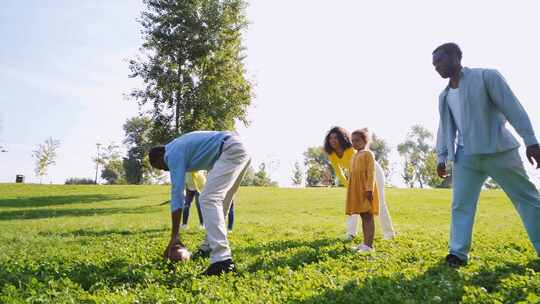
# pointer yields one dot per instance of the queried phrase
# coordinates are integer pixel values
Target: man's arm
(177, 203)
(505, 100)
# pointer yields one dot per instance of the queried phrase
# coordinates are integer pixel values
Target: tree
(297, 177)
(138, 142)
(408, 174)
(192, 65)
(109, 159)
(262, 179)
(45, 156)
(381, 150)
(249, 177)
(113, 172)
(319, 170)
(415, 151)
(431, 177)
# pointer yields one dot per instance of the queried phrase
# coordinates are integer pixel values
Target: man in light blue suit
(474, 109)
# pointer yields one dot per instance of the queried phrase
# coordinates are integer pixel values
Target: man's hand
(172, 242)
(533, 152)
(441, 170)
(369, 195)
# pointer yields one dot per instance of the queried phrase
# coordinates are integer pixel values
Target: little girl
(362, 194)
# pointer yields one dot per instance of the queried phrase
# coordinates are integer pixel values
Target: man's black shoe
(201, 254)
(220, 267)
(454, 262)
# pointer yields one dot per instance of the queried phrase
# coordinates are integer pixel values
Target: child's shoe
(349, 237)
(365, 249)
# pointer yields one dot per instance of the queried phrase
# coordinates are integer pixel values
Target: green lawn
(102, 244)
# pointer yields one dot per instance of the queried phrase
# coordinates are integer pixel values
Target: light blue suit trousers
(469, 174)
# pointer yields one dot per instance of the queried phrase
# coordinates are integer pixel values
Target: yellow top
(342, 164)
(362, 179)
(195, 180)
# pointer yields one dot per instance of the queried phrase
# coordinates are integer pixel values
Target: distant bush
(79, 181)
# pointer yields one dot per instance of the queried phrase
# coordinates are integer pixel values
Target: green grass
(102, 244)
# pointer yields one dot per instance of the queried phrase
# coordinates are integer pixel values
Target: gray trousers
(222, 183)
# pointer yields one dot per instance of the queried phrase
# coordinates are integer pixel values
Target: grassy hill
(102, 244)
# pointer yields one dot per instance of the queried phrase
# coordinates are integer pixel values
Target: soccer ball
(179, 253)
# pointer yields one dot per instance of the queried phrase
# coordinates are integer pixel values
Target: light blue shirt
(487, 103)
(191, 152)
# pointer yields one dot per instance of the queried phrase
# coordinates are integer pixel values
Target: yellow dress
(362, 179)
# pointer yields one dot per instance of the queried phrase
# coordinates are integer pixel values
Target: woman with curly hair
(338, 146)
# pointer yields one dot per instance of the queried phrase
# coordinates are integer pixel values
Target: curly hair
(364, 133)
(343, 136)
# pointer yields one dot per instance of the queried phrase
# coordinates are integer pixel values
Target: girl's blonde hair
(364, 133)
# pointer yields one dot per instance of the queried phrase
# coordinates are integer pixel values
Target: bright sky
(315, 64)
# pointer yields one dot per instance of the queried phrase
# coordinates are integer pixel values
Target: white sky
(315, 64)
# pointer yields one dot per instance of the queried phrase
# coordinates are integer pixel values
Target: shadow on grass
(438, 284)
(117, 271)
(32, 214)
(45, 201)
(273, 255)
(103, 233)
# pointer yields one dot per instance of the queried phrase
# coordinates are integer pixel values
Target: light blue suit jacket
(487, 102)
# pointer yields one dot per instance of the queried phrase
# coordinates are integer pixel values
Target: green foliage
(416, 151)
(80, 181)
(97, 244)
(262, 179)
(45, 156)
(138, 140)
(430, 168)
(298, 176)
(319, 170)
(249, 177)
(381, 150)
(192, 66)
(111, 164)
(113, 172)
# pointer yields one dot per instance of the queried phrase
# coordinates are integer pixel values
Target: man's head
(156, 155)
(447, 60)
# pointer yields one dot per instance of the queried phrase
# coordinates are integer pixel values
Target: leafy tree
(381, 150)
(113, 172)
(319, 170)
(192, 65)
(314, 175)
(408, 174)
(415, 151)
(45, 156)
(249, 177)
(431, 177)
(133, 168)
(297, 177)
(262, 179)
(138, 140)
(109, 158)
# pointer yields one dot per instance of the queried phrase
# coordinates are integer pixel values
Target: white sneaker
(389, 236)
(183, 226)
(365, 249)
(349, 237)
(356, 247)
(201, 227)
